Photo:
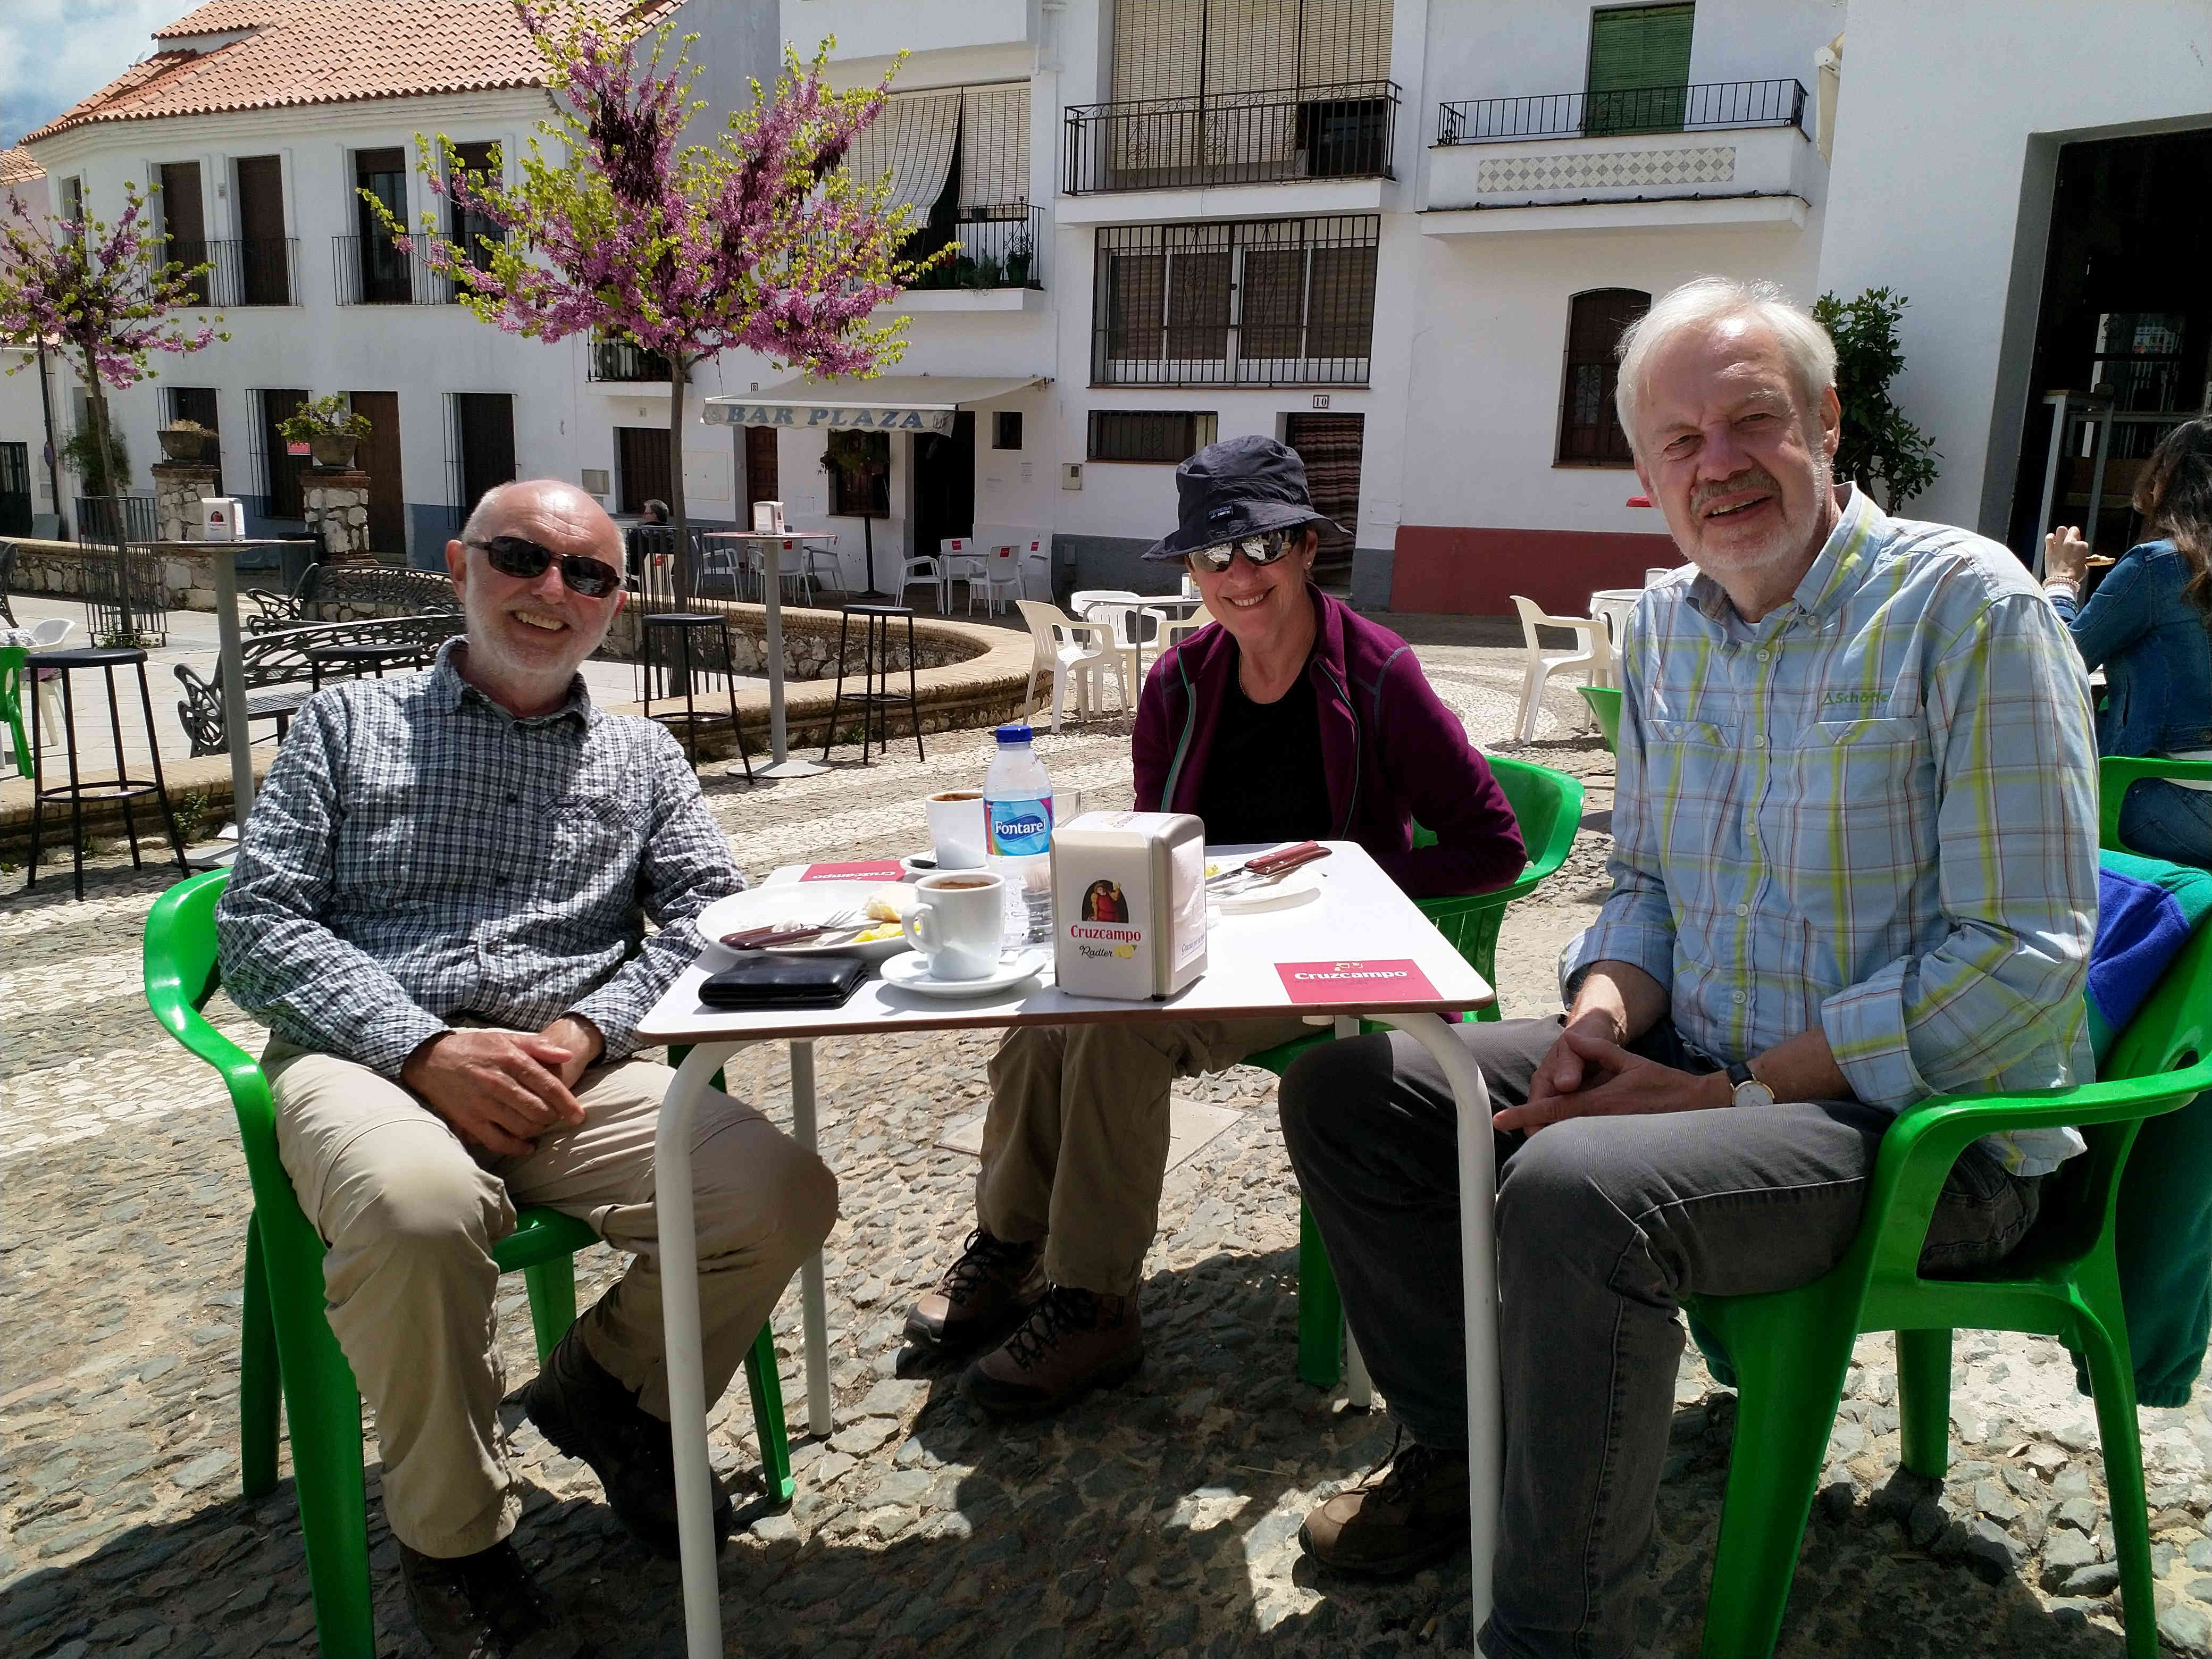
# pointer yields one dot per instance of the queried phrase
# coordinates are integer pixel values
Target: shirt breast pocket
(1872, 780)
(596, 832)
(1693, 778)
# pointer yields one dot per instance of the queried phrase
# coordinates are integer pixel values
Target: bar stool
(122, 787)
(713, 634)
(876, 622)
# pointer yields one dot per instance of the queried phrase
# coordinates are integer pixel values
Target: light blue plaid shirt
(1874, 811)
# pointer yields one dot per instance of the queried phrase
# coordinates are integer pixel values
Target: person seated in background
(1288, 718)
(2146, 627)
(638, 548)
(439, 909)
(1854, 864)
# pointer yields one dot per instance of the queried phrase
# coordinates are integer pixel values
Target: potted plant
(330, 427)
(1019, 258)
(184, 440)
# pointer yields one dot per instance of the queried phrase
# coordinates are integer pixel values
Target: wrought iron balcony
(255, 271)
(626, 360)
(372, 270)
(999, 246)
(1617, 114)
(1343, 131)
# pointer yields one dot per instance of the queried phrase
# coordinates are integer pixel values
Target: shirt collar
(451, 690)
(1839, 567)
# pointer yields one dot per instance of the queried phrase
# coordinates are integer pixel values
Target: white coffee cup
(956, 923)
(956, 828)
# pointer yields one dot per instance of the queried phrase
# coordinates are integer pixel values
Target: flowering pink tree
(761, 241)
(104, 293)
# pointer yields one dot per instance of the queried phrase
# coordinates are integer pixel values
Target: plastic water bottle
(1018, 835)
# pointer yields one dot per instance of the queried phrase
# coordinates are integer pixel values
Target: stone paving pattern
(1159, 1519)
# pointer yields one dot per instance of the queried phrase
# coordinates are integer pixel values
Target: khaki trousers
(411, 1213)
(1075, 1143)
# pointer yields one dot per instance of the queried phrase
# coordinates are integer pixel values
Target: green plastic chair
(286, 1341)
(1604, 701)
(1547, 805)
(2116, 772)
(1791, 1349)
(14, 682)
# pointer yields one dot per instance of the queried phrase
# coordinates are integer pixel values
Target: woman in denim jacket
(2147, 628)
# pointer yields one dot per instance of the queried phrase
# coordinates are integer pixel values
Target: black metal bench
(378, 589)
(280, 675)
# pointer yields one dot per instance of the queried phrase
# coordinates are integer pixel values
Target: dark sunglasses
(518, 555)
(1256, 549)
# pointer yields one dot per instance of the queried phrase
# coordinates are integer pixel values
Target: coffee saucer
(911, 973)
(924, 863)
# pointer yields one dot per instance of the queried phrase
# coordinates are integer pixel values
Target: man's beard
(1787, 539)
(488, 644)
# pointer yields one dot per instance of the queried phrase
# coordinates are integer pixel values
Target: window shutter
(1159, 48)
(1639, 66)
(1342, 41)
(994, 146)
(912, 140)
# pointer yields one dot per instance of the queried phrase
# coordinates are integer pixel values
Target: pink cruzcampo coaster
(1334, 982)
(867, 870)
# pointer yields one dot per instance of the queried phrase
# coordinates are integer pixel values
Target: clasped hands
(1588, 1073)
(502, 1089)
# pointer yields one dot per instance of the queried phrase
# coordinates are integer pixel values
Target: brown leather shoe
(1414, 1513)
(992, 1284)
(1074, 1341)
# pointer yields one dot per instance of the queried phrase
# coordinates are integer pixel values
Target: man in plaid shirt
(1854, 866)
(439, 909)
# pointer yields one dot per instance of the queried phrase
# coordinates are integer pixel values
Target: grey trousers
(1603, 1224)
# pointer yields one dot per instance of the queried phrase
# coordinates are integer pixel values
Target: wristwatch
(1748, 1090)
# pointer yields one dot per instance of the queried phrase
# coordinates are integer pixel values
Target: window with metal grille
(471, 231)
(1260, 302)
(959, 159)
(1157, 435)
(1639, 69)
(1590, 428)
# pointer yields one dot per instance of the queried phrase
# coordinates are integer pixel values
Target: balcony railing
(256, 271)
(371, 270)
(1637, 109)
(626, 360)
(1233, 138)
(999, 246)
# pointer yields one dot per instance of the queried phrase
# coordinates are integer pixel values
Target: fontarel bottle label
(1020, 829)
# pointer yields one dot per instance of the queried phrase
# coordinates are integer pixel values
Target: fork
(766, 937)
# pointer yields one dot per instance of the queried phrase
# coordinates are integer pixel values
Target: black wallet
(779, 982)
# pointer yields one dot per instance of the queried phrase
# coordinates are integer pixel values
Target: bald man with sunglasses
(439, 909)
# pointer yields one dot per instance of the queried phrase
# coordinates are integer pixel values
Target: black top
(1264, 780)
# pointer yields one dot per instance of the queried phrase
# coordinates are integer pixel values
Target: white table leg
(813, 1297)
(1478, 1198)
(679, 1317)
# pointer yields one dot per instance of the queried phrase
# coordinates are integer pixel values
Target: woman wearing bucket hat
(1292, 718)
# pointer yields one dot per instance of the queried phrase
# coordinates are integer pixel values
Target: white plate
(911, 973)
(795, 901)
(1299, 887)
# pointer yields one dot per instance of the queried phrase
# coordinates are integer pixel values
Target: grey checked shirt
(418, 853)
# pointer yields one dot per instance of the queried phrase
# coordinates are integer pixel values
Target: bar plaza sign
(830, 417)
(889, 403)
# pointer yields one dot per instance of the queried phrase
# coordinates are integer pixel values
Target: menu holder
(866, 870)
(1395, 980)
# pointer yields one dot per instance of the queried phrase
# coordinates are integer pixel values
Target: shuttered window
(995, 149)
(1639, 69)
(913, 140)
(1590, 428)
(1163, 437)
(1206, 48)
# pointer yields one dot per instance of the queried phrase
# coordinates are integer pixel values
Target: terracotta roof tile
(18, 165)
(323, 51)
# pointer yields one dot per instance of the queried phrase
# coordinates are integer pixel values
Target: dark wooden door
(385, 276)
(379, 459)
(641, 452)
(184, 220)
(1330, 446)
(198, 403)
(14, 489)
(944, 484)
(264, 269)
(281, 471)
(483, 443)
(761, 484)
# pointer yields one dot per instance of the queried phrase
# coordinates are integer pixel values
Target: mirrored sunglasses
(1256, 549)
(518, 555)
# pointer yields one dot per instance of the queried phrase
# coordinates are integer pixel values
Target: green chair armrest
(2116, 772)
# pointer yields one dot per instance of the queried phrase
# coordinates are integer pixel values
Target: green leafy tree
(1880, 447)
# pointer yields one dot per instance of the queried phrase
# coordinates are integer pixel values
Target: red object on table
(1639, 500)
(868, 870)
(1328, 982)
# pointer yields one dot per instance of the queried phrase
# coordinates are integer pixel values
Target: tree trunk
(679, 372)
(126, 626)
(96, 397)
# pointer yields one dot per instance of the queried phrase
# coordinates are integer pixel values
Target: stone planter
(182, 445)
(333, 451)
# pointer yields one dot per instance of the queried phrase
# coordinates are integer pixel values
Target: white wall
(1946, 128)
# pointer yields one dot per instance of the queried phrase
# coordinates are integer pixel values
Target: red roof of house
(325, 51)
(17, 164)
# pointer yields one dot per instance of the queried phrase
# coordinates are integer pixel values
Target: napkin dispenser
(1129, 904)
(219, 518)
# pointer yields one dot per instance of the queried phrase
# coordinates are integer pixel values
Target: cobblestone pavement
(1159, 1519)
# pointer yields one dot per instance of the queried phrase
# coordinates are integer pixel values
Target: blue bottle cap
(1012, 734)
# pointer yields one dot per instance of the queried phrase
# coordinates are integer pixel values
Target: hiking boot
(1073, 1341)
(486, 1605)
(1414, 1513)
(982, 1294)
(578, 1405)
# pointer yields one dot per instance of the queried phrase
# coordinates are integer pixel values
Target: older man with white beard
(439, 909)
(1854, 866)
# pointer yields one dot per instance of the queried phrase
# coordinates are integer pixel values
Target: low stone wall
(57, 569)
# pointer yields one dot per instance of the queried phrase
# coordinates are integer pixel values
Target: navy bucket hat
(1237, 488)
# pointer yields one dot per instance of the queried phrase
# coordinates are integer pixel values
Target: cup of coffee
(956, 828)
(957, 922)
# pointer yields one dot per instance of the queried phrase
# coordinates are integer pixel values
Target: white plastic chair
(1033, 551)
(926, 572)
(1593, 651)
(1001, 577)
(1067, 650)
(50, 634)
(1652, 573)
(962, 561)
(1615, 613)
(1128, 624)
(1174, 630)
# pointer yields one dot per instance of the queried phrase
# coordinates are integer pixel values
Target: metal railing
(254, 271)
(1000, 246)
(625, 360)
(1344, 131)
(371, 270)
(125, 600)
(1633, 110)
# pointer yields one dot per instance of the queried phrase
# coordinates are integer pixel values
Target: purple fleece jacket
(1394, 753)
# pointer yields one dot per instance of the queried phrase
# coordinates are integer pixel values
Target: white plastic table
(1359, 909)
(780, 762)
